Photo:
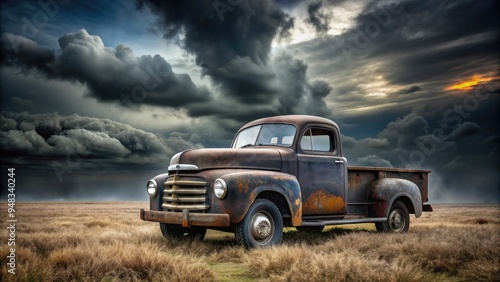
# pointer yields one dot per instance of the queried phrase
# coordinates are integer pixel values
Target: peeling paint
(242, 185)
(321, 202)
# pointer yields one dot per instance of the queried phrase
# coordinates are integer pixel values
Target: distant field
(108, 242)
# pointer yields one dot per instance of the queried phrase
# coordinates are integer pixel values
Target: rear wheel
(261, 227)
(171, 231)
(398, 220)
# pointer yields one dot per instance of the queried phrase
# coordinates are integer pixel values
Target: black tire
(177, 232)
(398, 220)
(310, 229)
(261, 227)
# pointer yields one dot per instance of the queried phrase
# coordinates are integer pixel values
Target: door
(322, 172)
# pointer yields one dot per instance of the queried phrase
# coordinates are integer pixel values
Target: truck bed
(360, 178)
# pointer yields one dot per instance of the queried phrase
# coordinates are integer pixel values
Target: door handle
(339, 162)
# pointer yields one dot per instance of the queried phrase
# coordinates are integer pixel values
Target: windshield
(266, 134)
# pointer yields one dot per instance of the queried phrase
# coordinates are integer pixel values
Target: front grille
(185, 192)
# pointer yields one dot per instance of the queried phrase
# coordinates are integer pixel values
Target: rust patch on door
(321, 202)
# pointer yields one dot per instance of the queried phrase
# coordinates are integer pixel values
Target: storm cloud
(317, 18)
(111, 74)
(299, 95)
(411, 48)
(20, 51)
(41, 139)
(231, 45)
(239, 60)
(76, 157)
(437, 41)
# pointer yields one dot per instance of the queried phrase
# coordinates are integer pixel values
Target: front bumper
(427, 208)
(187, 219)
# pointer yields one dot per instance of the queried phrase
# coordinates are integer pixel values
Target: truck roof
(298, 120)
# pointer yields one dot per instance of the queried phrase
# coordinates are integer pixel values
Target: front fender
(387, 190)
(244, 187)
(155, 202)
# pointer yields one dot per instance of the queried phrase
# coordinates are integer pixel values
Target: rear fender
(387, 190)
(245, 187)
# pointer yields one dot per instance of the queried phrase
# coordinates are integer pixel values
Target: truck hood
(247, 158)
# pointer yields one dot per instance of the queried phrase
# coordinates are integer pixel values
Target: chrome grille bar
(185, 192)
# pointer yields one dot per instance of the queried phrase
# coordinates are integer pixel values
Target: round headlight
(220, 188)
(152, 188)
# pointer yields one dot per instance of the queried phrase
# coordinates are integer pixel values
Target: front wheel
(398, 220)
(261, 227)
(172, 231)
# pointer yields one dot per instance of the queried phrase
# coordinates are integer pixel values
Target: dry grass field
(108, 242)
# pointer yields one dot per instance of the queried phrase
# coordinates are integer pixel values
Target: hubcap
(396, 221)
(262, 226)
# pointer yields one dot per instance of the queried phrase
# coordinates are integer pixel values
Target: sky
(96, 96)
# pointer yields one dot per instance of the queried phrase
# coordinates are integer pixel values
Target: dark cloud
(20, 104)
(20, 51)
(299, 94)
(404, 131)
(285, 30)
(288, 3)
(231, 44)
(374, 160)
(245, 81)
(405, 47)
(426, 41)
(464, 130)
(248, 29)
(318, 19)
(83, 158)
(238, 60)
(111, 74)
(38, 140)
(409, 90)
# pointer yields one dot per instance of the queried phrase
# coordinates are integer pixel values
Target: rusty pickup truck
(283, 171)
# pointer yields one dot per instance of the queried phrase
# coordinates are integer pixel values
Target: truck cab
(280, 171)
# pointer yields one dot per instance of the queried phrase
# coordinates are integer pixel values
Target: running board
(343, 221)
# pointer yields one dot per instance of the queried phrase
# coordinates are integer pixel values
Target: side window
(305, 142)
(318, 140)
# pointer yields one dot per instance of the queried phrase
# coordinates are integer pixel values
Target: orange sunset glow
(469, 84)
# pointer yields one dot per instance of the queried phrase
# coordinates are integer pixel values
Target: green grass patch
(231, 272)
